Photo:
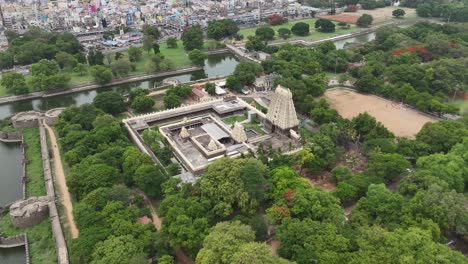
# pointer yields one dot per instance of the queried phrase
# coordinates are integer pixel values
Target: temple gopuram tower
(281, 116)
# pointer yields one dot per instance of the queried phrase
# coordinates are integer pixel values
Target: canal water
(10, 174)
(215, 65)
(13, 255)
(339, 44)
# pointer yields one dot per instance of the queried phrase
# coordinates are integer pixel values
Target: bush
(300, 29)
(365, 20)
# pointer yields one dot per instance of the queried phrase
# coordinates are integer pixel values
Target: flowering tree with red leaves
(289, 195)
(419, 50)
(276, 19)
(351, 8)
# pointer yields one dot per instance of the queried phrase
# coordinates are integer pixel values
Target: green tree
(197, 57)
(325, 25)
(151, 31)
(14, 83)
(134, 54)
(255, 43)
(346, 192)
(442, 136)
(149, 178)
(252, 253)
(447, 167)
(121, 67)
(95, 57)
(398, 13)
(109, 102)
(326, 46)
(142, 103)
(424, 10)
(172, 101)
(230, 184)
(148, 43)
(219, 29)
(246, 72)
(210, 88)
(387, 166)
(158, 63)
(65, 60)
(224, 241)
(233, 83)
(116, 249)
(81, 69)
(6, 60)
(156, 48)
(365, 20)
(265, 33)
(308, 240)
(171, 43)
(304, 159)
(192, 38)
(101, 74)
(284, 33)
(300, 29)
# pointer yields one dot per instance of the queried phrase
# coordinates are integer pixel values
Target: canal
(215, 65)
(340, 44)
(13, 255)
(10, 175)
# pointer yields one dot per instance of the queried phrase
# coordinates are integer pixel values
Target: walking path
(61, 183)
(181, 257)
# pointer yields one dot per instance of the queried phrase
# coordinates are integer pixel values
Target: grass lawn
(255, 126)
(3, 91)
(313, 35)
(231, 120)
(34, 171)
(41, 242)
(463, 105)
(178, 56)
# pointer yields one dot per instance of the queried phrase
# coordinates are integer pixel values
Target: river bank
(143, 77)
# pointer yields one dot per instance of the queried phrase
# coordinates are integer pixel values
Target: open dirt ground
(380, 15)
(402, 121)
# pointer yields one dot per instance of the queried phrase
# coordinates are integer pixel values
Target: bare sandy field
(402, 121)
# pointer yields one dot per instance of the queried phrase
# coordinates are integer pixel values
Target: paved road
(61, 183)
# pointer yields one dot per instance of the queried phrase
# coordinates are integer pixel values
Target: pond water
(215, 65)
(362, 38)
(15, 255)
(10, 175)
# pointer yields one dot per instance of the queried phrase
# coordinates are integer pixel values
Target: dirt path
(61, 183)
(181, 257)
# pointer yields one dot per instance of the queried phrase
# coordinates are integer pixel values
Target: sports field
(401, 120)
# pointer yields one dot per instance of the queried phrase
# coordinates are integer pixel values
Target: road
(62, 184)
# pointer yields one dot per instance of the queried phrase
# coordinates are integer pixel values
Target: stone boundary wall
(11, 242)
(10, 136)
(60, 243)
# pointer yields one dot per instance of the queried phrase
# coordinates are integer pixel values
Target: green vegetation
(313, 35)
(35, 185)
(462, 105)
(255, 125)
(41, 242)
(231, 120)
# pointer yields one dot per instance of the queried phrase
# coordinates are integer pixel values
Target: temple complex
(201, 133)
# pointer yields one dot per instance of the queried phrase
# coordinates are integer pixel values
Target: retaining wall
(60, 243)
(10, 136)
(11, 242)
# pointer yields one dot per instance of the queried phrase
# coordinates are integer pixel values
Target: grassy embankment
(178, 56)
(41, 242)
